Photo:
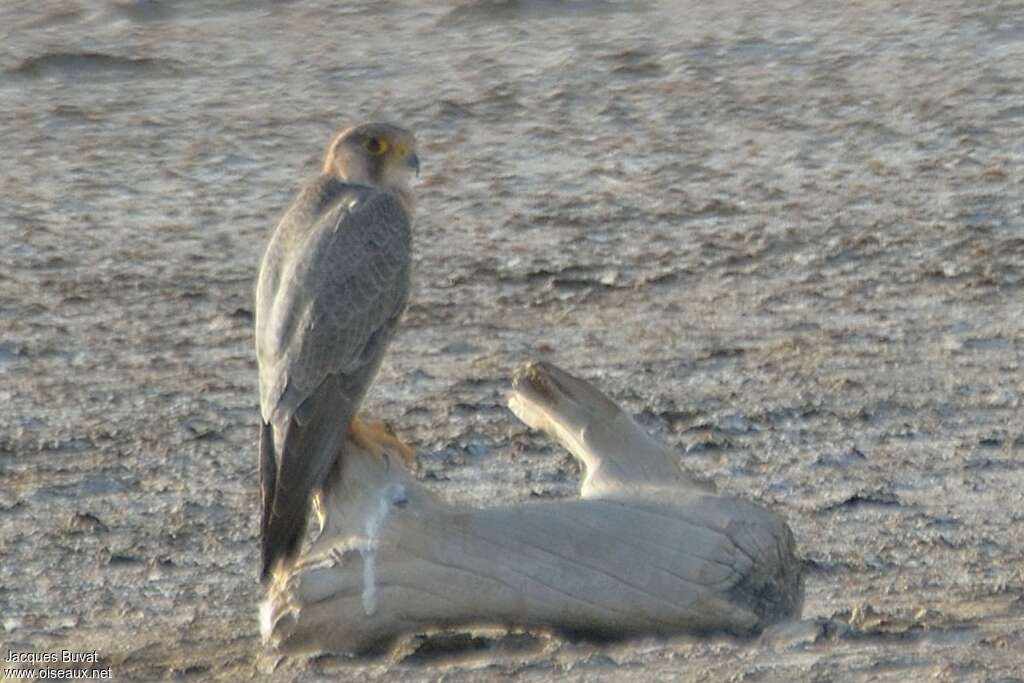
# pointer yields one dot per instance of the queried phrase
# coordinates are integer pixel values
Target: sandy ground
(788, 238)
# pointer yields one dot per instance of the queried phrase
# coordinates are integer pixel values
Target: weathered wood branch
(646, 549)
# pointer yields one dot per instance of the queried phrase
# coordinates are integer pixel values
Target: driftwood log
(645, 549)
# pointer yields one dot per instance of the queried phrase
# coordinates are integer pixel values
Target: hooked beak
(413, 162)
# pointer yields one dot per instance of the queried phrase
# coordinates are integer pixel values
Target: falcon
(332, 286)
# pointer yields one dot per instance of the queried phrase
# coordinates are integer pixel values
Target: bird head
(375, 154)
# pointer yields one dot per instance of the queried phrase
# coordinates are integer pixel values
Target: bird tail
(287, 482)
(268, 482)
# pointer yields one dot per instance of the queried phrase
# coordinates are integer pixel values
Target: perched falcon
(332, 285)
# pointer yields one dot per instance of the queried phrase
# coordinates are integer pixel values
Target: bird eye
(376, 146)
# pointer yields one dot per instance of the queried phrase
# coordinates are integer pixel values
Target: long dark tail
(288, 481)
(268, 482)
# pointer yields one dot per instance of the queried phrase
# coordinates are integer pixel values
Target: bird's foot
(378, 439)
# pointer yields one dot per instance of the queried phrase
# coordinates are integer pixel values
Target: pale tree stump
(645, 549)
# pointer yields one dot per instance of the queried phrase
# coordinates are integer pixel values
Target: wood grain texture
(645, 549)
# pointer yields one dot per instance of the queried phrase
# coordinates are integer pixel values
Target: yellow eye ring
(376, 146)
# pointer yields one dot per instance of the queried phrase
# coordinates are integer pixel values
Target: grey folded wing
(334, 280)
